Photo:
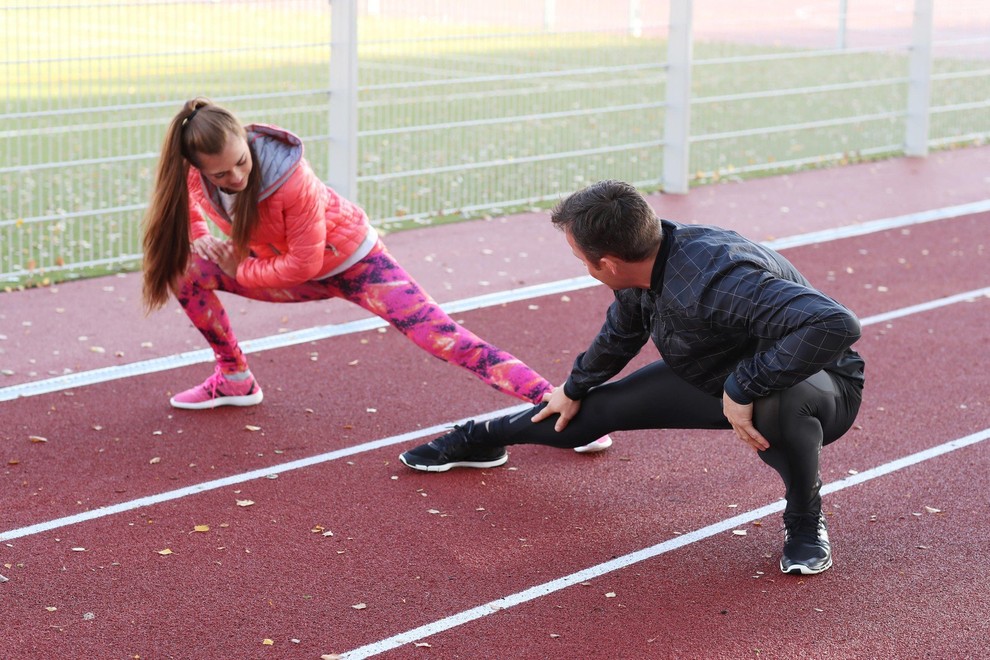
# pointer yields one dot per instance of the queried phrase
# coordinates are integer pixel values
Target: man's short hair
(609, 218)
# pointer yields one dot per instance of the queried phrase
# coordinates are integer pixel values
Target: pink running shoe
(219, 391)
(601, 444)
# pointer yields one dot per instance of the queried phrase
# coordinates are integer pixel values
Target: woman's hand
(558, 403)
(741, 417)
(218, 251)
(209, 247)
(228, 260)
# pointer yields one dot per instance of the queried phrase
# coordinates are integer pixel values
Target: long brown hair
(201, 127)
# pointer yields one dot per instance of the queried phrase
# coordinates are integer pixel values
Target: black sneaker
(459, 448)
(806, 547)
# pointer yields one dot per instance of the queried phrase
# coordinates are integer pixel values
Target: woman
(291, 239)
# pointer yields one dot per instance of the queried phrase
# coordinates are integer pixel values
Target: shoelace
(212, 385)
(451, 442)
(802, 526)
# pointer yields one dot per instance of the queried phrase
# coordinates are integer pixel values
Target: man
(747, 344)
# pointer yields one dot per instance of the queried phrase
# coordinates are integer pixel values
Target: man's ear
(609, 263)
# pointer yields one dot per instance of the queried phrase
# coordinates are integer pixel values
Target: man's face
(607, 271)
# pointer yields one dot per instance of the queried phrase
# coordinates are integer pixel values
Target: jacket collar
(666, 238)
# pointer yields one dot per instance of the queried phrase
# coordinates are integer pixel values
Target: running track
(629, 554)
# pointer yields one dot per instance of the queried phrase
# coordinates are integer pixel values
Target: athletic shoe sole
(245, 400)
(801, 569)
(601, 444)
(446, 466)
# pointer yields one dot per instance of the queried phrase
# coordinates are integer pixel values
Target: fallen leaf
(739, 532)
(156, 460)
(268, 642)
(424, 645)
(37, 438)
(164, 552)
(201, 528)
(610, 594)
(931, 509)
(252, 427)
(245, 502)
(79, 549)
(51, 609)
(359, 606)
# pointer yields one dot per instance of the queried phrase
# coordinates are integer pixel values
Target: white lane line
(94, 376)
(261, 473)
(966, 296)
(151, 500)
(624, 561)
(883, 224)
(164, 363)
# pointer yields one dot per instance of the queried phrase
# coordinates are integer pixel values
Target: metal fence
(430, 109)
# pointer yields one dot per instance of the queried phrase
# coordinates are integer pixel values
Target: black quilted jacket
(727, 314)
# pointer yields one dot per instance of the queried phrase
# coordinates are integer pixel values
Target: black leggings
(796, 422)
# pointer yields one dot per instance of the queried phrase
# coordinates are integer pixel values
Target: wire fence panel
(478, 107)
(89, 87)
(465, 107)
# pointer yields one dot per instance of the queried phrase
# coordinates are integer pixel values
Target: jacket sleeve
(303, 209)
(621, 338)
(198, 206)
(799, 331)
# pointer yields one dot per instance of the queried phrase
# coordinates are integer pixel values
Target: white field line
(336, 454)
(94, 376)
(624, 561)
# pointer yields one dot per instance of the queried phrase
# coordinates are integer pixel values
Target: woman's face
(230, 168)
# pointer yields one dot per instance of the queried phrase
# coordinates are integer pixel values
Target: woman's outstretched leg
(379, 284)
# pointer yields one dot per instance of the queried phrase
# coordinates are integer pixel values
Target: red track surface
(419, 548)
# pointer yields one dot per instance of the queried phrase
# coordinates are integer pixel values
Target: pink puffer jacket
(306, 230)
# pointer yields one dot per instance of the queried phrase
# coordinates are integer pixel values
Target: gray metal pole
(843, 24)
(677, 115)
(342, 153)
(919, 81)
(635, 19)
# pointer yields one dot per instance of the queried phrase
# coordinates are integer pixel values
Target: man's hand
(741, 417)
(558, 403)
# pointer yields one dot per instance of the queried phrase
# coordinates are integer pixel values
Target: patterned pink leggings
(378, 284)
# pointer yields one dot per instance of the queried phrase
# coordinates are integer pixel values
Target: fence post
(342, 152)
(919, 81)
(840, 40)
(635, 19)
(677, 115)
(549, 15)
